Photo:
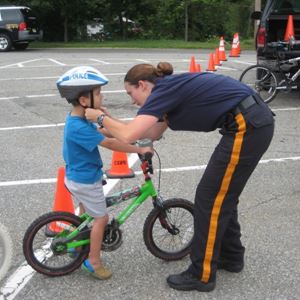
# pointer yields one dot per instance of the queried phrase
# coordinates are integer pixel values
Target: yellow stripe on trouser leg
(213, 224)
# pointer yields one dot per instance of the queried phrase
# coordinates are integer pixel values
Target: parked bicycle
(49, 242)
(6, 251)
(267, 82)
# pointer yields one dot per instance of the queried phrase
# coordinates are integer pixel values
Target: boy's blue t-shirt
(194, 101)
(80, 151)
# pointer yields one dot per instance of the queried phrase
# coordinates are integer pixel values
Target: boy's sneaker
(186, 281)
(101, 273)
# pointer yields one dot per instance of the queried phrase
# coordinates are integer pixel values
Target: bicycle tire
(171, 207)
(265, 85)
(39, 259)
(6, 251)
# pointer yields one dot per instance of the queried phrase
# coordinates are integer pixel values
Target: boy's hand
(92, 114)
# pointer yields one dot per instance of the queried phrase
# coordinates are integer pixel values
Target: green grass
(160, 44)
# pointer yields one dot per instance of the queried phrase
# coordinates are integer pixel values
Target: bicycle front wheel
(169, 230)
(6, 248)
(263, 80)
(44, 247)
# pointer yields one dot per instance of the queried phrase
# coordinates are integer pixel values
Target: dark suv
(18, 27)
(273, 22)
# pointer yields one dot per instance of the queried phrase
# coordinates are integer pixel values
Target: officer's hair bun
(163, 69)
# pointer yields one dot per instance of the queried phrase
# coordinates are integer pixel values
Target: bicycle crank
(284, 86)
(112, 238)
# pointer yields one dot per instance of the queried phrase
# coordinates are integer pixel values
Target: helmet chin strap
(92, 101)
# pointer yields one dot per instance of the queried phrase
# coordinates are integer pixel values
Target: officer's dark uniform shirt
(194, 101)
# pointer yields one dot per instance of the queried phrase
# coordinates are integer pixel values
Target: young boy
(81, 86)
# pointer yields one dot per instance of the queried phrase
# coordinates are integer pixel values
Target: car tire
(21, 46)
(5, 42)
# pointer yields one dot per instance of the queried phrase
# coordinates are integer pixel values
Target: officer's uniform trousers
(246, 135)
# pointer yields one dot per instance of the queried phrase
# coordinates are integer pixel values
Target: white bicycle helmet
(79, 80)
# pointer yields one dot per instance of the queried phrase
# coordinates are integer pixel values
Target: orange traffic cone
(193, 67)
(222, 53)
(198, 68)
(217, 58)
(119, 166)
(234, 48)
(62, 202)
(211, 63)
(289, 31)
(238, 43)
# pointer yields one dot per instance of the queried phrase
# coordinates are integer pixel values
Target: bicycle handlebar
(146, 157)
(291, 42)
(145, 143)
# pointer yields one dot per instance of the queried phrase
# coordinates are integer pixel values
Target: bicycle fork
(163, 216)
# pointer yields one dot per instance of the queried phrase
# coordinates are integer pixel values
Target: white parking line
(42, 126)
(143, 60)
(54, 95)
(113, 62)
(40, 96)
(100, 61)
(56, 77)
(226, 68)
(32, 126)
(51, 77)
(113, 92)
(20, 64)
(131, 163)
(56, 62)
(9, 98)
(29, 78)
(63, 124)
(244, 62)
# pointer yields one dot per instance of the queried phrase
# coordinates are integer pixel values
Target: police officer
(202, 102)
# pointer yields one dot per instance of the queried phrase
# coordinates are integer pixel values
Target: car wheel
(21, 46)
(5, 42)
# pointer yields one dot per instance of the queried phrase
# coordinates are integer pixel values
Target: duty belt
(244, 104)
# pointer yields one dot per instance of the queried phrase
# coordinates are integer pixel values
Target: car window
(11, 15)
(286, 6)
(28, 15)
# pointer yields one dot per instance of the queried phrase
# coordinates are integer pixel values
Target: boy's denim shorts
(91, 196)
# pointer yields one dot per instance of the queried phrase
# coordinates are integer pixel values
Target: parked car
(95, 31)
(133, 27)
(18, 27)
(273, 22)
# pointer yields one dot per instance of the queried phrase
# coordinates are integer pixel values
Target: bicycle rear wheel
(6, 251)
(40, 250)
(169, 230)
(262, 79)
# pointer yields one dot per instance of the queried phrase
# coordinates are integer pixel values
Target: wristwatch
(100, 120)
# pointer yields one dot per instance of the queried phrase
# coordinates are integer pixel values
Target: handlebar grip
(144, 143)
(146, 157)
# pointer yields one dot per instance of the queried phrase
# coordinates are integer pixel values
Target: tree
(168, 19)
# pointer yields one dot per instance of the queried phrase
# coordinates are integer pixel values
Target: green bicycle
(50, 241)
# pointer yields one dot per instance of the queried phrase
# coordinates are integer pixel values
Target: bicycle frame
(296, 75)
(142, 192)
(147, 190)
(64, 238)
(286, 83)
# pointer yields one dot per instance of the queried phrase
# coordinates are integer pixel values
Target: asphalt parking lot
(32, 115)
